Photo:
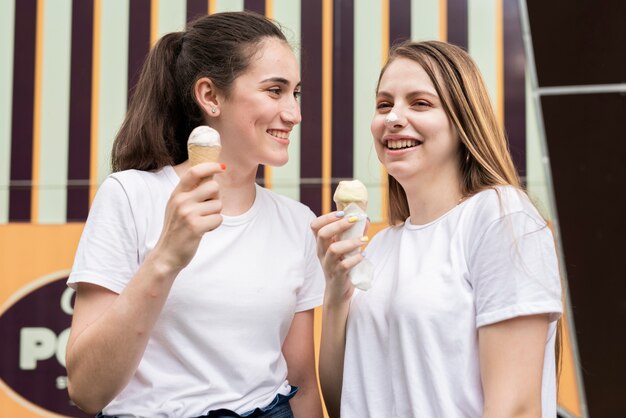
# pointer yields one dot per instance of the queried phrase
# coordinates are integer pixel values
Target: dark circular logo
(35, 325)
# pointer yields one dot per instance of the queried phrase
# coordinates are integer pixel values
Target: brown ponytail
(162, 110)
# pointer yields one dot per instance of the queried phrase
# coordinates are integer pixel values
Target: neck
(429, 198)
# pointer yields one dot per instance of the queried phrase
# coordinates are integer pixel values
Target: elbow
(518, 410)
(87, 402)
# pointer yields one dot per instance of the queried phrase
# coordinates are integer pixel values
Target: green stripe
(55, 102)
(424, 20)
(367, 64)
(228, 5)
(482, 41)
(172, 16)
(113, 79)
(7, 26)
(286, 179)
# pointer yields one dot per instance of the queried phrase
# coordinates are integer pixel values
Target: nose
(393, 119)
(291, 114)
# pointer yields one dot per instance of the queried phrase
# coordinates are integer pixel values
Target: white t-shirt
(412, 339)
(217, 343)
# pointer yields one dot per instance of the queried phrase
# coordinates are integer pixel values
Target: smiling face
(413, 136)
(262, 108)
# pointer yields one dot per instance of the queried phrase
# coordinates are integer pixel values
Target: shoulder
(138, 184)
(285, 206)
(501, 202)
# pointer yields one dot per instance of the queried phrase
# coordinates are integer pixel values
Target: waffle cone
(202, 154)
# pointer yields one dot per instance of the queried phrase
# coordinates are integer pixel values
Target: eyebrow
(280, 80)
(411, 94)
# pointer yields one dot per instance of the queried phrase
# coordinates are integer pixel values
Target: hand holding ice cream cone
(351, 198)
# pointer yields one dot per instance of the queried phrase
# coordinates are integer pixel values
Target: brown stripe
(458, 23)
(514, 85)
(399, 21)
(138, 39)
(311, 132)
(343, 91)
(23, 111)
(80, 111)
(255, 6)
(196, 8)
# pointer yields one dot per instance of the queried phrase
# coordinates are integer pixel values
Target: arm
(110, 332)
(511, 364)
(336, 303)
(299, 353)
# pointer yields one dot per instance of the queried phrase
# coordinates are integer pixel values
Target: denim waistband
(278, 408)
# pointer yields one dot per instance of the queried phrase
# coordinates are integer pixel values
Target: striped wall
(67, 66)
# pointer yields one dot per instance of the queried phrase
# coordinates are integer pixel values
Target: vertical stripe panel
(425, 20)
(311, 149)
(23, 110)
(113, 78)
(172, 15)
(457, 22)
(367, 63)
(255, 6)
(230, 5)
(55, 102)
(7, 27)
(285, 180)
(343, 91)
(138, 39)
(514, 85)
(482, 42)
(80, 111)
(196, 8)
(327, 105)
(399, 21)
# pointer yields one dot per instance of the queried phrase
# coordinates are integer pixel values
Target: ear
(207, 96)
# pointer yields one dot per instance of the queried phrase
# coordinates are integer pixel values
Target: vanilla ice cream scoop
(351, 197)
(204, 145)
(351, 191)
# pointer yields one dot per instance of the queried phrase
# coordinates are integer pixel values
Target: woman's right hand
(334, 255)
(192, 210)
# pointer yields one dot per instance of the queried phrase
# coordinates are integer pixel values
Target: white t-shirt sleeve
(107, 253)
(311, 294)
(514, 270)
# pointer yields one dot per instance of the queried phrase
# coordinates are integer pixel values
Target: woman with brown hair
(182, 309)
(461, 317)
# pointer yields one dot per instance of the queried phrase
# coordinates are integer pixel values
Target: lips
(278, 134)
(401, 143)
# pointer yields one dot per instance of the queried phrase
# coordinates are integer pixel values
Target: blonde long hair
(484, 157)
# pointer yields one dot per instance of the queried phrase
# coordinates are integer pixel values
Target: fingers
(324, 220)
(341, 251)
(196, 174)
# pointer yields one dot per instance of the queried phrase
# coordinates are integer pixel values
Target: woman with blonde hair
(461, 318)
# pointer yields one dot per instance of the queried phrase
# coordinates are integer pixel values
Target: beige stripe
(384, 196)
(267, 173)
(443, 20)
(499, 63)
(34, 205)
(327, 106)
(95, 99)
(154, 21)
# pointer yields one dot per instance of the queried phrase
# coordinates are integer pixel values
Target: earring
(213, 109)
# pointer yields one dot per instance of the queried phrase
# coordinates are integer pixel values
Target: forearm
(307, 402)
(332, 351)
(109, 349)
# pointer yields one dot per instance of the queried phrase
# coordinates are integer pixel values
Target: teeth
(278, 134)
(401, 143)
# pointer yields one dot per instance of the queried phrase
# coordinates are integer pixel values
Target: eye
(297, 94)
(421, 103)
(383, 106)
(276, 91)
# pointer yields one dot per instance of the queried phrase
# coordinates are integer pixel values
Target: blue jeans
(278, 408)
